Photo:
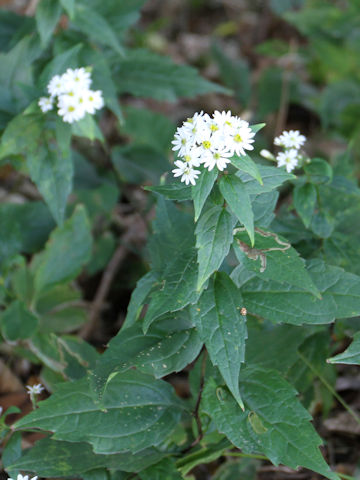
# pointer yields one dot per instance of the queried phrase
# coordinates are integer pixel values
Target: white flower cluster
(72, 95)
(291, 141)
(34, 389)
(211, 141)
(23, 477)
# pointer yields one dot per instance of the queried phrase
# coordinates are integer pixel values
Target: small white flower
(34, 389)
(78, 79)
(192, 157)
(93, 101)
(56, 86)
(45, 104)
(224, 120)
(188, 174)
(70, 109)
(23, 477)
(290, 139)
(218, 158)
(289, 159)
(241, 139)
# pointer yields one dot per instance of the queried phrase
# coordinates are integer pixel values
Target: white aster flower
(45, 104)
(78, 79)
(34, 389)
(290, 139)
(266, 154)
(192, 157)
(218, 158)
(188, 174)
(93, 101)
(70, 108)
(23, 477)
(183, 141)
(56, 86)
(225, 120)
(241, 139)
(289, 159)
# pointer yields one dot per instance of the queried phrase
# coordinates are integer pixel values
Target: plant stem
(330, 388)
(245, 455)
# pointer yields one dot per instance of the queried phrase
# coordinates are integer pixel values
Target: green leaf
(69, 6)
(147, 127)
(173, 191)
(22, 135)
(145, 412)
(52, 172)
(94, 25)
(59, 64)
(305, 201)
(52, 458)
(168, 347)
(87, 127)
(146, 74)
(204, 455)
(235, 73)
(164, 470)
(272, 178)
(286, 435)
(47, 16)
(351, 356)
(11, 453)
(247, 165)
(223, 329)
(273, 258)
(287, 304)
(238, 199)
(263, 207)
(214, 234)
(319, 171)
(17, 322)
(66, 252)
(138, 296)
(202, 189)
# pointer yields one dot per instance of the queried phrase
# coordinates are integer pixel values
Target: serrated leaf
(17, 322)
(52, 458)
(93, 24)
(66, 252)
(238, 199)
(351, 356)
(282, 264)
(223, 329)
(272, 178)
(47, 15)
(247, 165)
(164, 470)
(146, 74)
(173, 191)
(202, 189)
(286, 436)
(204, 455)
(52, 172)
(287, 304)
(305, 201)
(145, 412)
(11, 453)
(138, 296)
(160, 352)
(263, 207)
(214, 233)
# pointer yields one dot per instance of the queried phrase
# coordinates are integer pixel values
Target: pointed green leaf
(145, 412)
(274, 421)
(247, 165)
(273, 258)
(223, 329)
(214, 233)
(164, 470)
(66, 252)
(202, 189)
(173, 191)
(52, 172)
(272, 178)
(69, 6)
(17, 322)
(283, 303)
(47, 15)
(138, 296)
(53, 458)
(351, 356)
(305, 201)
(255, 128)
(238, 199)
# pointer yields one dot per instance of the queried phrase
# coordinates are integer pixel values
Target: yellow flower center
(214, 127)
(238, 138)
(71, 108)
(206, 144)
(217, 156)
(187, 158)
(228, 123)
(183, 141)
